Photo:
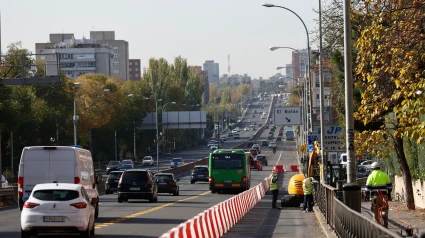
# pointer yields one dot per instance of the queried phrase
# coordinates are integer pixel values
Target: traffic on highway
(137, 201)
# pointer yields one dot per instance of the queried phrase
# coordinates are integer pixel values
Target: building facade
(120, 62)
(76, 56)
(213, 72)
(329, 114)
(134, 69)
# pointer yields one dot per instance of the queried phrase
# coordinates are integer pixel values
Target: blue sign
(311, 139)
(310, 148)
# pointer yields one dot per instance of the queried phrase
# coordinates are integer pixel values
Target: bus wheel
(213, 191)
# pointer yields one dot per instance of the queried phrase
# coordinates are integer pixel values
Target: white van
(57, 164)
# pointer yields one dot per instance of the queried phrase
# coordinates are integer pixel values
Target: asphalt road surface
(144, 219)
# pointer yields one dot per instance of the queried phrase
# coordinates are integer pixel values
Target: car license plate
(227, 181)
(162, 183)
(54, 219)
(136, 189)
(201, 175)
(116, 181)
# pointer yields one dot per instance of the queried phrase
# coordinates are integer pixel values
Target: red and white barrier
(217, 220)
(294, 168)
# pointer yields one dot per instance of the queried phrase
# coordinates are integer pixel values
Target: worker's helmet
(375, 165)
(274, 171)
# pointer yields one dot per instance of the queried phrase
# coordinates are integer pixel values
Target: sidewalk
(265, 222)
(400, 217)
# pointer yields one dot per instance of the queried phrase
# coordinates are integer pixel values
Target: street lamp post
(322, 106)
(308, 56)
(134, 134)
(157, 136)
(75, 118)
(162, 113)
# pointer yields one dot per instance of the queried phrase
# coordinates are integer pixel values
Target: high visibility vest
(274, 185)
(378, 180)
(307, 186)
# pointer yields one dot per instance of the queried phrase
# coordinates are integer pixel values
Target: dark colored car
(279, 138)
(125, 167)
(262, 159)
(280, 133)
(199, 173)
(167, 183)
(112, 166)
(264, 143)
(249, 144)
(137, 184)
(112, 182)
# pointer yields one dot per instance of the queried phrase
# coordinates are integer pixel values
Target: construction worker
(308, 194)
(274, 187)
(378, 181)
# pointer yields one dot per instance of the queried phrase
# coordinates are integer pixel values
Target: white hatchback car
(4, 182)
(147, 160)
(58, 208)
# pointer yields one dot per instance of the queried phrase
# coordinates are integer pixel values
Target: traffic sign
(334, 138)
(287, 116)
(311, 139)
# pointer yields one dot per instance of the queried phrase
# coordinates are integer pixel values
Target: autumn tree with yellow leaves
(390, 70)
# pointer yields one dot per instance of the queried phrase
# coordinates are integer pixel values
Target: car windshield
(260, 157)
(177, 160)
(126, 166)
(200, 169)
(126, 162)
(114, 175)
(131, 176)
(114, 163)
(55, 195)
(167, 177)
(147, 158)
(227, 161)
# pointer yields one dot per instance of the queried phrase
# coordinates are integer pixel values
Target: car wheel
(25, 234)
(151, 199)
(119, 200)
(96, 211)
(106, 192)
(192, 181)
(175, 193)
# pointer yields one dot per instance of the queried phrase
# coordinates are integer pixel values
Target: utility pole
(11, 157)
(322, 106)
(351, 190)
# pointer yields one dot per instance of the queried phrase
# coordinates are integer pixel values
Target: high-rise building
(213, 72)
(134, 69)
(289, 73)
(120, 62)
(99, 54)
(76, 56)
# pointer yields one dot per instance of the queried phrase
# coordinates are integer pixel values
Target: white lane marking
(280, 155)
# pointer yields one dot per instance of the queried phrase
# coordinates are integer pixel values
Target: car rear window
(163, 177)
(113, 163)
(126, 162)
(114, 175)
(56, 195)
(177, 160)
(131, 176)
(200, 169)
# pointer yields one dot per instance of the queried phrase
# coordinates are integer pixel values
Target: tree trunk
(407, 177)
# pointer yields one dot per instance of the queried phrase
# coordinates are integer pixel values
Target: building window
(135, 63)
(317, 96)
(137, 69)
(116, 55)
(136, 75)
(131, 63)
(115, 47)
(317, 84)
(116, 71)
(116, 63)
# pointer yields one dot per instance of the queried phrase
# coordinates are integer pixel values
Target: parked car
(65, 164)
(147, 160)
(263, 159)
(125, 167)
(367, 164)
(199, 173)
(113, 165)
(58, 208)
(4, 182)
(176, 162)
(167, 183)
(137, 184)
(111, 183)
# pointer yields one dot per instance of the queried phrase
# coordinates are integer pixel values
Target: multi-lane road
(144, 219)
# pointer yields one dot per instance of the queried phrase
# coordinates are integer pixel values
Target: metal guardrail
(345, 221)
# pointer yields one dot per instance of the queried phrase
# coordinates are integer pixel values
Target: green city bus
(229, 169)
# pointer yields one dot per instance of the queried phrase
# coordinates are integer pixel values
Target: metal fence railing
(345, 221)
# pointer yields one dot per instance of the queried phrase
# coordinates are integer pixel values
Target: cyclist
(274, 149)
(378, 181)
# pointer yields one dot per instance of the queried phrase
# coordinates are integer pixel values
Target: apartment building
(134, 69)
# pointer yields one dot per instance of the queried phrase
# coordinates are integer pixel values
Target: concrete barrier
(8, 196)
(217, 220)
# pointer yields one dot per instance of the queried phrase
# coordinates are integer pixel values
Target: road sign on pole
(287, 116)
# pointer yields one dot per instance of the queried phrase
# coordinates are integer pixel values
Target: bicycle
(274, 151)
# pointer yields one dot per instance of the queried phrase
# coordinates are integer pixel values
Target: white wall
(418, 191)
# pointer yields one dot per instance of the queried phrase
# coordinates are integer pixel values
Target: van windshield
(56, 195)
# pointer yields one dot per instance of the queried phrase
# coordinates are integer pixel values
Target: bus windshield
(227, 161)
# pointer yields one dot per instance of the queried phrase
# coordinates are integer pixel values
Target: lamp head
(268, 5)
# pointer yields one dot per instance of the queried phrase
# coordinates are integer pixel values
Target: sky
(198, 30)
